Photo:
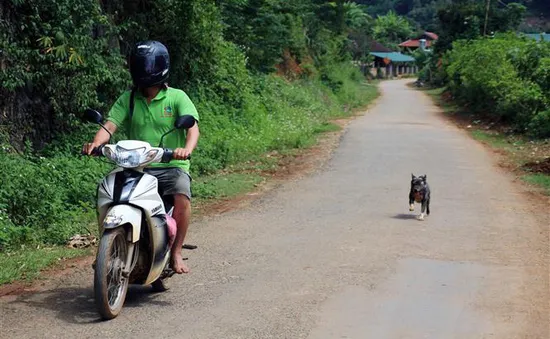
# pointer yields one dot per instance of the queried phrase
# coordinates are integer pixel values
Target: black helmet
(149, 64)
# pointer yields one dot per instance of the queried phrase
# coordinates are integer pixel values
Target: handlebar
(167, 156)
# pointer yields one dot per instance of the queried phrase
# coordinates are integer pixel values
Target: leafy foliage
(392, 29)
(46, 198)
(505, 78)
(465, 19)
(424, 60)
(498, 75)
(56, 41)
(424, 13)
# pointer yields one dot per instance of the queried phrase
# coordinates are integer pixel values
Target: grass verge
(26, 263)
(225, 185)
(494, 140)
(541, 180)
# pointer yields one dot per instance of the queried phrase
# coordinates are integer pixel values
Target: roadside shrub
(542, 74)
(505, 79)
(539, 125)
(46, 199)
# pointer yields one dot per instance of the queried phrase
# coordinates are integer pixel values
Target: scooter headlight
(129, 158)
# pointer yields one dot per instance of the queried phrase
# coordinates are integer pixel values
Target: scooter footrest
(167, 273)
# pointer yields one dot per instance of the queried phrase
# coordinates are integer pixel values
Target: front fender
(119, 215)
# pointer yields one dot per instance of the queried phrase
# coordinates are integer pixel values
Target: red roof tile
(414, 43)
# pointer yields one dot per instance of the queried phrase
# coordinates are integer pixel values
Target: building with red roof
(428, 38)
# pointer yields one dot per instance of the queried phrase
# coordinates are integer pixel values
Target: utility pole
(486, 17)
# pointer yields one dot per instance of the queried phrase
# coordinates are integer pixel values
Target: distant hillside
(424, 12)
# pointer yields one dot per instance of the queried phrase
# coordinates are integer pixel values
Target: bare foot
(178, 265)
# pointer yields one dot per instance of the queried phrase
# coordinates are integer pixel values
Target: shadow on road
(404, 216)
(76, 305)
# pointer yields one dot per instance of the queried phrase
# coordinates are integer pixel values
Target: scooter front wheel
(110, 284)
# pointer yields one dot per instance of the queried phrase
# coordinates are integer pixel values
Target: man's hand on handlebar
(102, 137)
(182, 154)
(88, 148)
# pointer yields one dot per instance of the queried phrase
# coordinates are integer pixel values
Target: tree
(465, 19)
(356, 16)
(391, 29)
(424, 13)
(359, 27)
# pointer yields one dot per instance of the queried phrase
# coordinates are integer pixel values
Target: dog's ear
(424, 177)
(413, 177)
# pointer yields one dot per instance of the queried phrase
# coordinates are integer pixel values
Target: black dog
(420, 193)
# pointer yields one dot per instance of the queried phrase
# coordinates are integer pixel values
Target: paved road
(338, 255)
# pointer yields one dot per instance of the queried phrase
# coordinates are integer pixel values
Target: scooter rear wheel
(110, 285)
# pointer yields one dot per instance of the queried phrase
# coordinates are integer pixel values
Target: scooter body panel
(130, 197)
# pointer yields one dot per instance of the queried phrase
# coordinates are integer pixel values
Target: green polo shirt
(150, 121)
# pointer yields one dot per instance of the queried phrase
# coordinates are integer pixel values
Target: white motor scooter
(134, 246)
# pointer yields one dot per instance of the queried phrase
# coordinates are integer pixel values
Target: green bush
(46, 199)
(540, 124)
(278, 115)
(505, 78)
(541, 74)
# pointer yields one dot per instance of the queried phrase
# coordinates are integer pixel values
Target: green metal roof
(539, 36)
(394, 56)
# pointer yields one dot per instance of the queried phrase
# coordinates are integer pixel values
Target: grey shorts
(172, 180)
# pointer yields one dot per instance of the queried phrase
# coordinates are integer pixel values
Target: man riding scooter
(147, 112)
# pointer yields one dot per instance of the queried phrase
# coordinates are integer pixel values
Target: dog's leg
(428, 207)
(421, 216)
(411, 202)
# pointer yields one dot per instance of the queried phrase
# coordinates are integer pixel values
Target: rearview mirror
(91, 115)
(184, 122)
